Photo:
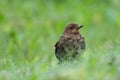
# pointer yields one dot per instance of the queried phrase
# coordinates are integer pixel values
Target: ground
(30, 28)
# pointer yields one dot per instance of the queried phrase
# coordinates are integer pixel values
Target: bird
(70, 44)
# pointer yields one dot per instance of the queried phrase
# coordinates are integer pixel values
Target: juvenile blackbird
(70, 44)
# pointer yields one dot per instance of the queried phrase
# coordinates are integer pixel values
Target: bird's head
(72, 28)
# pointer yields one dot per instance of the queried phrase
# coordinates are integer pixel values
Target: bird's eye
(71, 28)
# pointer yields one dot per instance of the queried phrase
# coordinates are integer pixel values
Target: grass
(29, 30)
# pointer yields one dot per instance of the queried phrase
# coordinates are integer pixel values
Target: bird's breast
(71, 44)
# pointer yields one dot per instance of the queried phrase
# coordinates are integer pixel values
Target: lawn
(29, 30)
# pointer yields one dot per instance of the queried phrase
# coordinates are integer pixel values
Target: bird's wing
(56, 44)
(82, 42)
(83, 45)
(59, 51)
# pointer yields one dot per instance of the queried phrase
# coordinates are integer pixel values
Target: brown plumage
(70, 43)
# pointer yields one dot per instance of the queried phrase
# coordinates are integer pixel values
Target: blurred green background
(30, 28)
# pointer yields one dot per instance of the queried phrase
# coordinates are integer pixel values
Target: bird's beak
(80, 26)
